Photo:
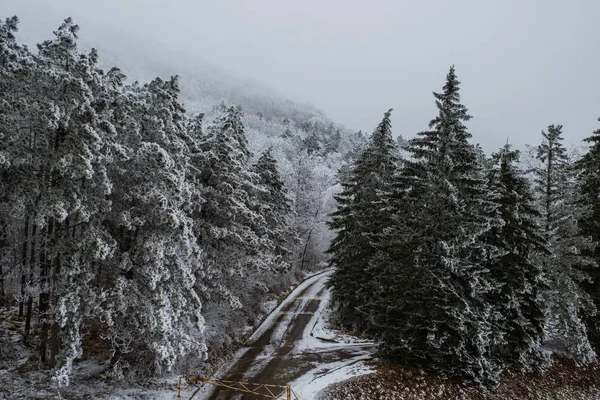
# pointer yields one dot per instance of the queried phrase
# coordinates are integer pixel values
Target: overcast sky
(523, 64)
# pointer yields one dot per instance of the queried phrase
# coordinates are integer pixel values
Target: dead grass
(564, 380)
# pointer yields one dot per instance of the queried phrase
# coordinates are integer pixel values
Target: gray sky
(524, 64)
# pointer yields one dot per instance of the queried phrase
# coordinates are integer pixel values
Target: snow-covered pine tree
(519, 303)
(556, 192)
(548, 181)
(275, 206)
(16, 197)
(56, 154)
(440, 311)
(152, 312)
(362, 222)
(229, 220)
(588, 168)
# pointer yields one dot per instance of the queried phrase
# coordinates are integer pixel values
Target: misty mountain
(202, 83)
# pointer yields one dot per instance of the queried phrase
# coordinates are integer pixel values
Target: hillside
(154, 221)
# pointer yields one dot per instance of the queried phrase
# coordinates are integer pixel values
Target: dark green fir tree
(438, 305)
(519, 303)
(589, 182)
(361, 222)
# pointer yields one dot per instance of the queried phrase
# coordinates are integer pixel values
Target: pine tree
(229, 218)
(56, 147)
(15, 195)
(519, 303)
(361, 223)
(275, 206)
(588, 168)
(153, 311)
(557, 198)
(439, 306)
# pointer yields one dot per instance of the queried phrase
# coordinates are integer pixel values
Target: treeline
(465, 264)
(121, 217)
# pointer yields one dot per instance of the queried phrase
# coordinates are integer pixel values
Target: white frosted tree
(275, 206)
(56, 144)
(557, 196)
(154, 307)
(229, 219)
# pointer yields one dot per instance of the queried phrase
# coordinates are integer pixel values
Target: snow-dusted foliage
(440, 309)
(520, 307)
(126, 224)
(361, 222)
(150, 237)
(559, 202)
(448, 262)
(588, 179)
(275, 206)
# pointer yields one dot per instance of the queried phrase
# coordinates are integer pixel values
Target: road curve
(272, 354)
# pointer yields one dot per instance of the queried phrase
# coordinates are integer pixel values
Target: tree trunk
(3, 256)
(54, 339)
(44, 297)
(24, 266)
(31, 275)
(310, 232)
(48, 335)
(115, 357)
(2, 295)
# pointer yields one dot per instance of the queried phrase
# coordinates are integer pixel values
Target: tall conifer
(519, 302)
(589, 224)
(557, 197)
(361, 222)
(440, 308)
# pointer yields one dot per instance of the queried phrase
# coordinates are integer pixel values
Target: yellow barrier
(273, 392)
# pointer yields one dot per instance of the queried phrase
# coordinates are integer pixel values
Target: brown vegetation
(563, 380)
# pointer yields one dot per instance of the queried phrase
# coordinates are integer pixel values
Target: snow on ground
(87, 385)
(328, 355)
(319, 355)
(19, 381)
(323, 339)
(315, 284)
(321, 335)
(268, 322)
(309, 386)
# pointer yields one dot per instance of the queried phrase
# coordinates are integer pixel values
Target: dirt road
(283, 348)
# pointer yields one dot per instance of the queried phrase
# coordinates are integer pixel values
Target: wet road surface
(273, 355)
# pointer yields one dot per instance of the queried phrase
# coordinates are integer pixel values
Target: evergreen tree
(229, 218)
(554, 156)
(588, 168)
(17, 186)
(519, 302)
(275, 206)
(557, 198)
(361, 222)
(57, 147)
(439, 304)
(154, 313)
(118, 214)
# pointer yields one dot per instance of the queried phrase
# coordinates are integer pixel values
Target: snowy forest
(465, 264)
(144, 224)
(131, 228)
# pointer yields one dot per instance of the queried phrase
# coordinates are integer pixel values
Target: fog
(523, 64)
